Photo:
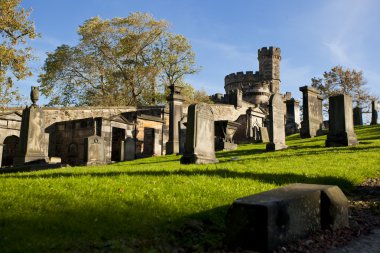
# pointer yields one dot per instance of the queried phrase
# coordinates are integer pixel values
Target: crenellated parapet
(265, 52)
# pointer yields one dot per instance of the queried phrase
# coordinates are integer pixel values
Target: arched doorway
(9, 150)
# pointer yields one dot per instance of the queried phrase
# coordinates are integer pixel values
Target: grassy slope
(156, 204)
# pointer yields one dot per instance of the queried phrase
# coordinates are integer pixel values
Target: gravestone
(262, 221)
(175, 101)
(129, 149)
(152, 141)
(200, 134)
(341, 127)
(32, 145)
(358, 116)
(182, 134)
(276, 123)
(264, 136)
(293, 121)
(312, 122)
(94, 150)
(224, 133)
(374, 113)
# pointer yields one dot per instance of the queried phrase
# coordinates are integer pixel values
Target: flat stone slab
(263, 221)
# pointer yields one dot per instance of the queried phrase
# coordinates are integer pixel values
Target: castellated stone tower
(257, 87)
(269, 67)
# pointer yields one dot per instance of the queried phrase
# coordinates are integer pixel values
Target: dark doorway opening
(9, 150)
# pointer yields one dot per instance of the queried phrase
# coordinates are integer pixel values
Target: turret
(269, 67)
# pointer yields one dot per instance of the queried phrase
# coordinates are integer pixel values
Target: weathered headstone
(224, 133)
(264, 136)
(199, 146)
(262, 221)
(32, 146)
(312, 122)
(341, 127)
(175, 101)
(276, 123)
(129, 149)
(94, 150)
(293, 122)
(375, 112)
(182, 135)
(152, 141)
(358, 116)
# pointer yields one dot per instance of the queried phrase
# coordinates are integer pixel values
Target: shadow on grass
(278, 179)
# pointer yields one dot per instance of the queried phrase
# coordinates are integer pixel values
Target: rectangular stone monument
(152, 142)
(276, 123)
(129, 149)
(94, 150)
(374, 116)
(293, 122)
(358, 116)
(182, 134)
(200, 135)
(341, 127)
(32, 144)
(264, 136)
(312, 122)
(224, 133)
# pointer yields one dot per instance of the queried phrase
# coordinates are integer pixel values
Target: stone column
(1, 153)
(374, 113)
(175, 101)
(312, 122)
(341, 127)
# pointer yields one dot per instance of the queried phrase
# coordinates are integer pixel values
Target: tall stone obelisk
(175, 101)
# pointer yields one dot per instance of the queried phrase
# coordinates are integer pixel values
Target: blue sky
(313, 35)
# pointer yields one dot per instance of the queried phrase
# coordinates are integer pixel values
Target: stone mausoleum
(72, 135)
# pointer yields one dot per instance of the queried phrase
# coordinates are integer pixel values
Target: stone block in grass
(263, 221)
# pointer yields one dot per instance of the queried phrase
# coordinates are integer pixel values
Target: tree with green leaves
(341, 80)
(122, 61)
(15, 31)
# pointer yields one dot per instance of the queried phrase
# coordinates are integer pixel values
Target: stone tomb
(341, 127)
(94, 150)
(224, 133)
(276, 123)
(262, 221)
(312, 122)
(200, 135)
(292, 124)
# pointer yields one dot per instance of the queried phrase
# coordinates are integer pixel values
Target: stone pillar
(358, 116)
(1, 153)
(293, 121)
(200, 135)
(276, 123)
(374, 113)
(341, 127)
(32, 145)
(175, 101)
(312, 122)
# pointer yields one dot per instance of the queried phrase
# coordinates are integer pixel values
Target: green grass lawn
(156, 204)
